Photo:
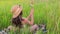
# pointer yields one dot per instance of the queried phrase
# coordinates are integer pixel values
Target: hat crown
(16, 10)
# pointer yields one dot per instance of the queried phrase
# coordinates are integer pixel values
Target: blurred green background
(46, 11)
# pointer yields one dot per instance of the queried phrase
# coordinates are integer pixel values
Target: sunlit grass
(47, 11)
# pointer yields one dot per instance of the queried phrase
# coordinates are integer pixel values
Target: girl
(17, 19)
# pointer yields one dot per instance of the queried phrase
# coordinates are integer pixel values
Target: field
(46, 11)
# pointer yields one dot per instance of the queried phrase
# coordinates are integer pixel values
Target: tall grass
(46, 11)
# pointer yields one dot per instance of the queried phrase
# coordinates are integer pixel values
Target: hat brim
(18, 11)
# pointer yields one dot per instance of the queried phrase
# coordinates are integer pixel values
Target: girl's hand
(32, 11)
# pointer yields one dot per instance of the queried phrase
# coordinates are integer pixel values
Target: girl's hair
(17, 21)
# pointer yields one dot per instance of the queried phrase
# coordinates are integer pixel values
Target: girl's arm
(31, 21)
(26, 21)
(31, 13)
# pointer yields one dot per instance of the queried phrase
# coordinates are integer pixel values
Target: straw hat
(16, 10)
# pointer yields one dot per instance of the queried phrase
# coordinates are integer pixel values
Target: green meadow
(45, 11)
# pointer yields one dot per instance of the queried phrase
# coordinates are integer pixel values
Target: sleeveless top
(17, 21)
